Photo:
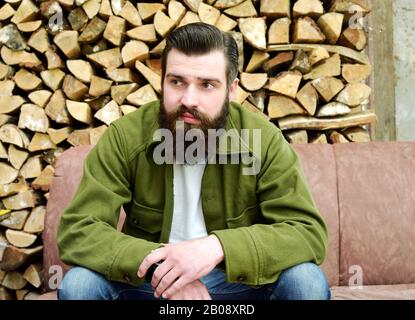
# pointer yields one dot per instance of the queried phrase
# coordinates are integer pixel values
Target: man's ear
(232, 89)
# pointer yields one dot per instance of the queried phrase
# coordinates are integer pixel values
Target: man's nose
(190, 97)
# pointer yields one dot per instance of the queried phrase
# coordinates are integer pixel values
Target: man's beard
(171, 122)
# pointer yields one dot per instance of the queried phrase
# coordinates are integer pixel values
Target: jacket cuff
(125, 265)
(242, 265)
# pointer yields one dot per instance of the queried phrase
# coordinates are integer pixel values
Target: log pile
(68, 68)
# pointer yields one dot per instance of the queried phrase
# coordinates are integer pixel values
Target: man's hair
(201, 38)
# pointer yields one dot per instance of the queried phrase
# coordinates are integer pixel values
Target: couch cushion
(385, 292)
(377, 212)
(320, 171)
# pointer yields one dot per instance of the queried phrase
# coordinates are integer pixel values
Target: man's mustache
(182, 110)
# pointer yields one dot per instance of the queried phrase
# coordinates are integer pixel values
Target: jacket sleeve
(87, 234)
(294, 231)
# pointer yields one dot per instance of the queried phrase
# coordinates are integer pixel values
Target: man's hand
(195, 290)
(183, 263)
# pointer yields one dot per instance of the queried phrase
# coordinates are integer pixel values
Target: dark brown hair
(200, 38)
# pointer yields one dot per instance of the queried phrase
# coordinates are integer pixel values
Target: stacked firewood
(68, 68)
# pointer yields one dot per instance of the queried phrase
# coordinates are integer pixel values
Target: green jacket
(265, 222)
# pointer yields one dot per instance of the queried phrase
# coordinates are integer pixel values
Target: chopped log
(7, 87)
(81, 69)
(189, 17)
(155, 65)
(357, 134)
(26, 11)
(301, 62)
(56, 108)
(73, 88)
(350, 7)
(80, 111)
(54, 60)
(330, 67)
(4, 118)
(119, 93)
(98, 103)
(359, 57)
(109, 59)
(33, 118)
(10, 133)
(279, 31)
(224, 4)
(176, 11)
(8, 173)
(20, 239)
(109, 113)
(132, 51)
(6, 12)
(254, 109)
(146, 33)
(26, 80)
(8, 104)
(356, 72)
(193, 4)
(279, 61)
(92, 48)
(14, 258)
(33, 166)
(257, 59)
(67, 41)
(40, 97)
(257, 98)
(5, 71)
(308, 98)
(163, 24)
(11, 37)
(53, 78)
(336, 137)
(130, 14)
(93, 31)
(14, 280)
(241, 95)
(319, 138)
(254, 31)
(353, 38)
(354, 94)
(126, 109)
(238, 37)
(23, 200)
(59, 135)
(299, 137)
(253, 81)
(99, 86)
(40, 141)
(79, 137)
(96, 133)
(115, 30)
(16, 220)
(6, 294)
(307, 31)
(328, 87)
(21, 58)
(301, 122)
(12, 188)
(331, 24)
(3, 152)
(208, 14)
(35, 222)
(311, 8)
(225, 23)
(44, 180)
(117, 6)
(39, 40)
(142, 96)
(33, 275)
(275, 8)
(148, 10)
(91, 8)
(244, 10)
(318, 54)
(333, 109)
(153, 78)
(20, 294)
(78, 19)
(122, 75)
(286, 83)
(281, 106)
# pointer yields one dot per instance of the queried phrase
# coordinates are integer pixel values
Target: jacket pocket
(247, 218)
(145, 218)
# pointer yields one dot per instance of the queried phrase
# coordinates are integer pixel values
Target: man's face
(195, 90)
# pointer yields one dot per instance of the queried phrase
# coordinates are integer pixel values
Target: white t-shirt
(188, 221)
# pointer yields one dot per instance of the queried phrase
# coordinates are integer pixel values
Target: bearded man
(197, 227)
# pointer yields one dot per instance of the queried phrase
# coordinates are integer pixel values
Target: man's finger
(153, 257)
(179, 284)
(160, 272)
(166, 282)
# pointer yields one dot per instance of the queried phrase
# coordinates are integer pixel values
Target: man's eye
(176, 82)
(208, 85)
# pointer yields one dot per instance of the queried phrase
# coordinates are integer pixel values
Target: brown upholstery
(364, 191)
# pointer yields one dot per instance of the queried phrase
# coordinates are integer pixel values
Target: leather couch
(365, 191)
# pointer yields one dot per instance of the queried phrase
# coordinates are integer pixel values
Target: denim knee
(305, 281)
(83, 284)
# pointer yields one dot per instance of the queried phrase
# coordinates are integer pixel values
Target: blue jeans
(302, 282)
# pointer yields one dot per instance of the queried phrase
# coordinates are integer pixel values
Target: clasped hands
(184, 263)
